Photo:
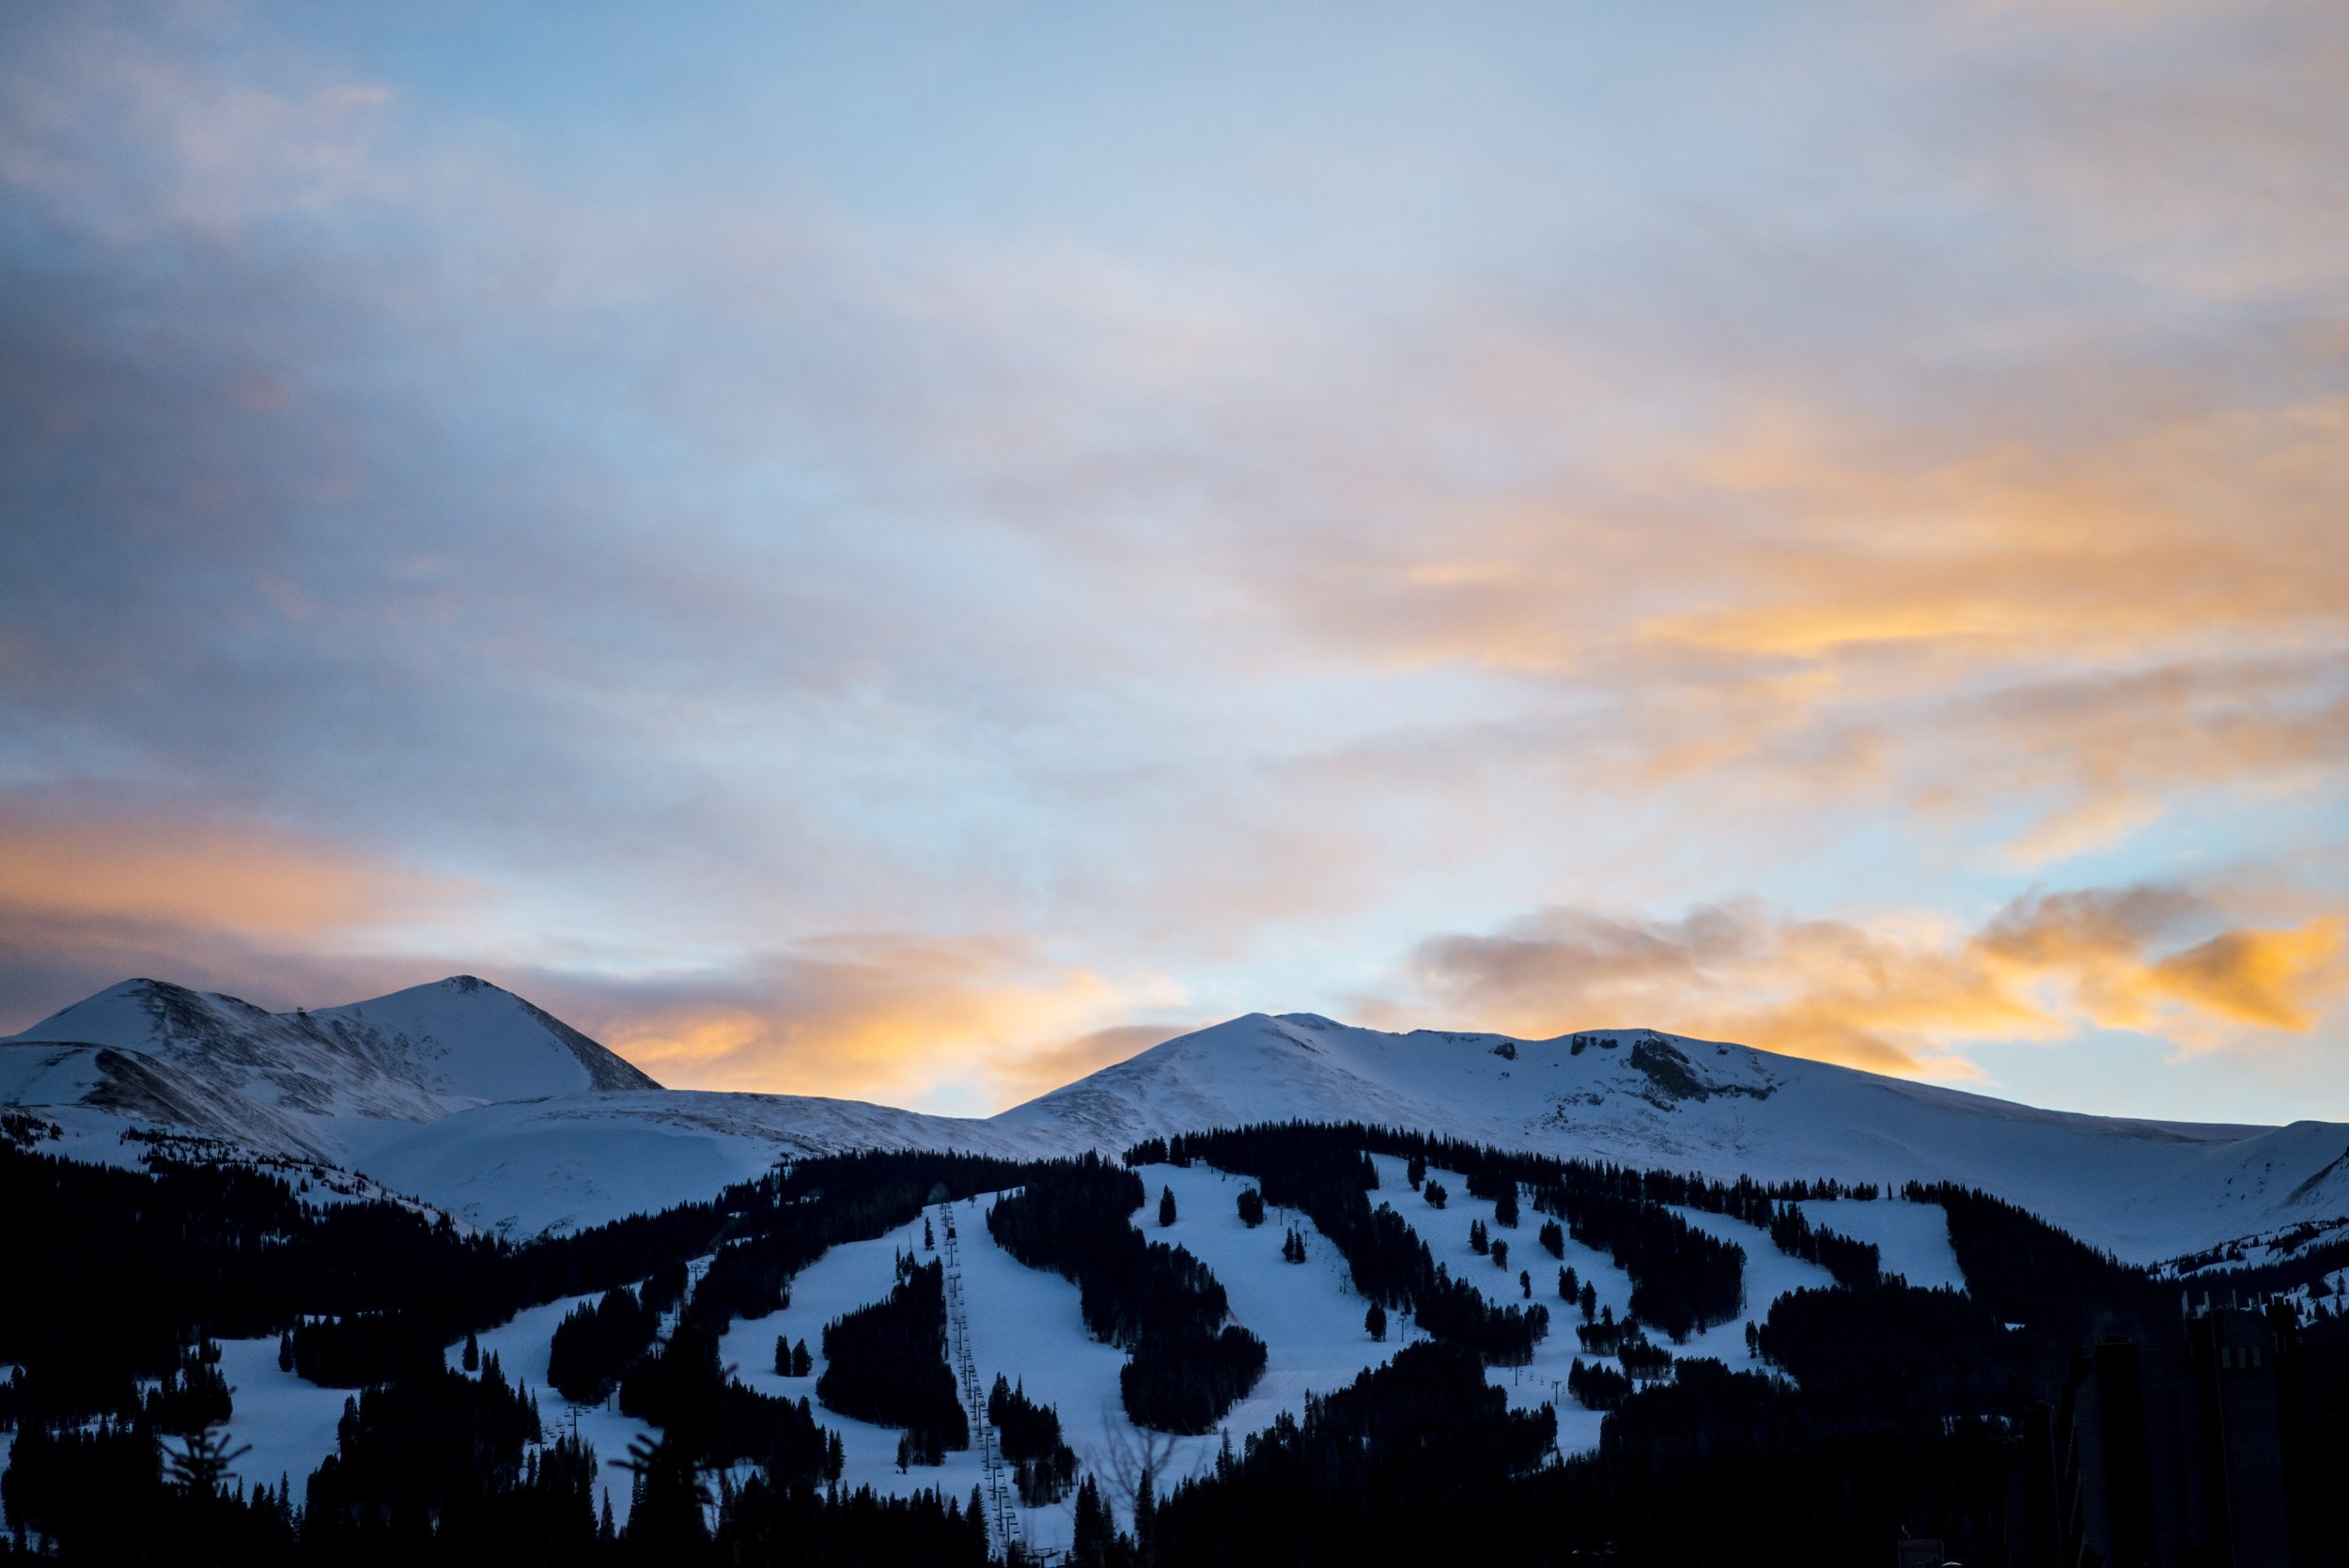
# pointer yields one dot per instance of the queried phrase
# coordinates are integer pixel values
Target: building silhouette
(2197, 1451)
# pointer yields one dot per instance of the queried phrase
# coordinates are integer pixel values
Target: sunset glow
(910, 554)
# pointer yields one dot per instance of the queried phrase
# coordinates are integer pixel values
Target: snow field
(1769, 1274)
(1914, 1238)
(1542, 1381)
(290, 1422)
(1026, 1325)
(1308, 1314)
(852, 1274)
(524, 1344)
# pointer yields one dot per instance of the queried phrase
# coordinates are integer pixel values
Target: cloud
(967, 1025)
(217, 151)
(126, 863)
(1901, 994)
(1915, 460)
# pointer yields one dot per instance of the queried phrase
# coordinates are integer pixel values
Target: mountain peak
(220, 1065)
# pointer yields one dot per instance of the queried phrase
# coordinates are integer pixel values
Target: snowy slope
(469, 1097)
(302, 1082)
(540, 1165)
(2147, 1189)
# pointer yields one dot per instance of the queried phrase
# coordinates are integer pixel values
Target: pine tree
(286, 1351)
(1480, 1242)
(1525, 1283)
(1090, 1548)
(199, 1467)
(1417, 1171)
(1435, 1194)
(1569, 1288)
(1166, 1205)
(473, 1351)
(1501, 1255)
(1374, 1322)
(1505, 1207)
(1145, 1514)
(930, 1237)
(1589, 1301)
(1251, 1208)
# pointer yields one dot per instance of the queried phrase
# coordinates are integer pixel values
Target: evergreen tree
(1145, 1514)
(1166, 1205)
(1505, 1206)
(1501, 1255)
(472, 1351)
(1480, 1242)
(666, 1522)
(1251, 1208)
(1417, 1171)
(1590, 1300)
(1435, 1193)
(286, 1351)
(1095, 1536)
(200, 1466)
(1525, 1283)
(1374, 1322)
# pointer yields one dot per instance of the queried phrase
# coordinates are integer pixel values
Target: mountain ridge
(476, 1100)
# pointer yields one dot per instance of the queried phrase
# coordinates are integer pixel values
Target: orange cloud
(882, 1017)
(2267, 979)
(1896, 994)
(1974, 622)
(119, 865)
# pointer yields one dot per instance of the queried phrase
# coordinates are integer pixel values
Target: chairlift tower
(1007, 1531)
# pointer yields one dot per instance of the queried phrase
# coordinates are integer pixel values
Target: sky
(910, 553)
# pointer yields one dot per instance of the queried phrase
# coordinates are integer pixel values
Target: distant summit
(298, 1081)
(465, 1095)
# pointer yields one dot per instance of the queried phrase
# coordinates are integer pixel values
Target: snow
(524, 1344)
(1026, 1325)
(1308, 1314)
(1913, 1239)
(310, 1084)
(2146, 1190)
(577, 1160)
(290, 1422)
(1769, 1274)
(1909, 1231)
(396, 1087)
(1446, 1232)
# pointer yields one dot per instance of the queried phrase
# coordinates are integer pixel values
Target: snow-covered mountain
(471, 1099)
(320, 1084)
(2147, 1189)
